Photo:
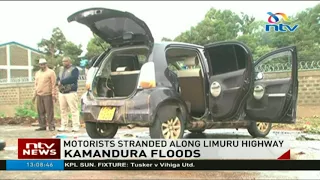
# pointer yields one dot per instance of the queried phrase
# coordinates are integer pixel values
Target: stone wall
(15, 94)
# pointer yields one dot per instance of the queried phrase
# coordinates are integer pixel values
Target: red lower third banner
(93, 149)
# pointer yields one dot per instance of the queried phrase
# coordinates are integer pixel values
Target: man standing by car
(45, 93)
(68, 86)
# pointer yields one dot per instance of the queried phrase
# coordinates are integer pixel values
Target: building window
(15, 73)
(3, 74)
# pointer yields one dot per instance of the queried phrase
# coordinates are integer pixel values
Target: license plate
(106, 113)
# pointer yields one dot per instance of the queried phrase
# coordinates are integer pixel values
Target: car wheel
(101, 130)
(197, 131)
(259, 129)
(167, 125)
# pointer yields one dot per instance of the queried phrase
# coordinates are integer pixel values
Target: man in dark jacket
(67, 82)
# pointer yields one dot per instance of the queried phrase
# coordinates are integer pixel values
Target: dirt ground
(11, 133)
(13, 128)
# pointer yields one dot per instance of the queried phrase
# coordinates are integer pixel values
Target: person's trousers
(69, 100)
(45, 108)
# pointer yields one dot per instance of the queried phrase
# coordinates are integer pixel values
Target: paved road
(310, 149)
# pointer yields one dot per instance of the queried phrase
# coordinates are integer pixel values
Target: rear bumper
(128, 111)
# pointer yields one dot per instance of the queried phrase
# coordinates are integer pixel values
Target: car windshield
(132, 58)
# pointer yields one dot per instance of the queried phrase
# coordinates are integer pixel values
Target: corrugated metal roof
(19, 44)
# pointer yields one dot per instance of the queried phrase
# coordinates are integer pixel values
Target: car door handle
(215, 85)
(258, 89)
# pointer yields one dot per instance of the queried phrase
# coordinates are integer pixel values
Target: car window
(132, 57)
(226, 58)
(175, 65)
(142, 59)
(171, 67)
(280, 63)
(180, 59)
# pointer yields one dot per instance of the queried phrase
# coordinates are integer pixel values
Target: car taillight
(147, 78)
(90, 75)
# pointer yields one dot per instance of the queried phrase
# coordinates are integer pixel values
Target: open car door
(231, 78)
(274, 97)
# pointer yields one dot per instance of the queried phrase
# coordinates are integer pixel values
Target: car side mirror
(259, 76)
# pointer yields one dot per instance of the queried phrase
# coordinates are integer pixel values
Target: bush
(26, 110)
(2, 115)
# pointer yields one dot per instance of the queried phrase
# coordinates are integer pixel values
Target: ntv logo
(273, 19)
(39, 148)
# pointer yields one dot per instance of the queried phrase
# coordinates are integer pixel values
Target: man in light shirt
(45, 93)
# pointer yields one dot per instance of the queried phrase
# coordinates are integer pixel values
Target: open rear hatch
(118, 72)
(115, 27)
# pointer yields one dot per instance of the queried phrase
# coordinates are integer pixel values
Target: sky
(27, 22)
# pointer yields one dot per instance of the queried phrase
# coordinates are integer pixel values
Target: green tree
(52, 48)
(221, 25)
(55, 48)
(306, 37)
(247, 24)
(73, 51)
(217, 25)
(166, 39)
(95, 46)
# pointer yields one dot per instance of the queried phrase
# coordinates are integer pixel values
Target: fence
(283, 67)
(279, 67)
(26, 79)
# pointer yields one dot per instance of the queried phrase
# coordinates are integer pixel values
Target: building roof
(24, 46)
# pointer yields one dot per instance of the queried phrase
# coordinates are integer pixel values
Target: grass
(307, 125)
(26, 110)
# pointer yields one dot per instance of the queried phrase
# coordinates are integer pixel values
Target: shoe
(61, 130)
(52, 128)
(41, 129)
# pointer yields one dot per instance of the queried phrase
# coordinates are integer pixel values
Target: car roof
(166, 43)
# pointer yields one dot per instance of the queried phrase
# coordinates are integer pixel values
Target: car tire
(259, 129)
(197, 131)
(2, 145)
(164, 124)
(101, 130)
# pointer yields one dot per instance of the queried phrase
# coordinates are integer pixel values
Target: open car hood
(115, 27)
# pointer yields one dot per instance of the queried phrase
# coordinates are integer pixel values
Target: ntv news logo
(39, 149)
(280, 27)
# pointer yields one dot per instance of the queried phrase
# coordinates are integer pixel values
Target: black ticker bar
(223, 165)
(3, 165)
